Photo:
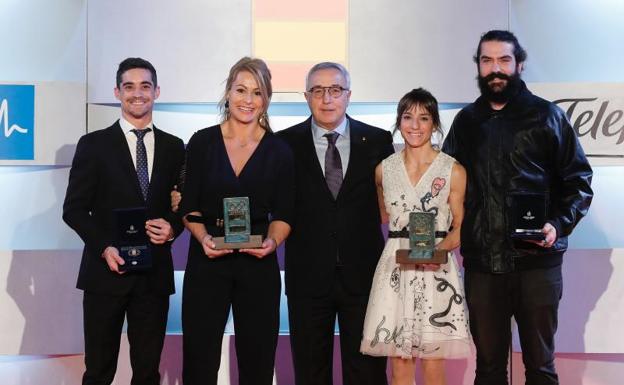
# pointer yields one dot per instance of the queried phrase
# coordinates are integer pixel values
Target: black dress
(251, 286)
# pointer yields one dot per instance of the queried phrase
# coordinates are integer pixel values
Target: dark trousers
(103, 314)
(532, 298)
(252, 288)
(312, 323)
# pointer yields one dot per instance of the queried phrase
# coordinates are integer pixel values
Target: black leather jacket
(528, 146)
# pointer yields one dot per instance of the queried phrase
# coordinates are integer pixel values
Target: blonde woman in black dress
(238, 158)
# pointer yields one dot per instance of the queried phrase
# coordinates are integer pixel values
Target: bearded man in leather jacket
(511, 141)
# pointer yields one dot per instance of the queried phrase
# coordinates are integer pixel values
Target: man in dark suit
(127, 165)
(336, 239)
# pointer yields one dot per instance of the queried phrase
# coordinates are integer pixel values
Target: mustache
(496, 75)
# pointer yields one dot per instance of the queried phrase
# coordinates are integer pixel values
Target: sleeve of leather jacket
(450, 145)
(575, 174)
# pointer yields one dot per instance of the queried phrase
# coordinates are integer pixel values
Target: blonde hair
(260, 71)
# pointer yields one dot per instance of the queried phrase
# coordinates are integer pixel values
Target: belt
(404, 233)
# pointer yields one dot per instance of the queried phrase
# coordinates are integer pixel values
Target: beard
(499, 95)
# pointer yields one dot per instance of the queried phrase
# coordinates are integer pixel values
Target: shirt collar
(126, 126)
(342, 129)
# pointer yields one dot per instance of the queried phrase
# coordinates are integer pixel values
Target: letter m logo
(17, 118)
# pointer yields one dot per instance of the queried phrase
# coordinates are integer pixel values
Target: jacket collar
(357, 154)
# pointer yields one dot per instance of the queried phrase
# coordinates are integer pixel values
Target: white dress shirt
(148, 140)
(343, 143)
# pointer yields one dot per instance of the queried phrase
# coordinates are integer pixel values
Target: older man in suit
(127, 165)
(336, 239)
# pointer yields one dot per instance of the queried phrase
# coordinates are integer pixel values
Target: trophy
(528, 215)
(131, 239)
(237, 226)
(421, 231)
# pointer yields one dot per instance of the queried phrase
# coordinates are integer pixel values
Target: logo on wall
(596, 112)
(17, 117)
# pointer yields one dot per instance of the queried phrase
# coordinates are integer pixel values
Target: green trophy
(422, 249)
(237, 226)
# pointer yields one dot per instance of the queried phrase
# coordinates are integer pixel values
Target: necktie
(333, 165)
(141, 161)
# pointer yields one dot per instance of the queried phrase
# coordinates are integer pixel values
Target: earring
(263, 120)
(226, 109)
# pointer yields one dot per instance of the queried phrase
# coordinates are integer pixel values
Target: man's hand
(113, 260)
(550, 236)
(159, 231)
(176, 197)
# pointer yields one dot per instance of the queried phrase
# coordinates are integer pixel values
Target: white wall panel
(43, 40)
(192, 44)
(602, 228)
(32, 208)
(570, 40)
(41, 307)
(395, 46)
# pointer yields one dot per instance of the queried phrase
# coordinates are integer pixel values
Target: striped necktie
(333, 164)
(141, 161)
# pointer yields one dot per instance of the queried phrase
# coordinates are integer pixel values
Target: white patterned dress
(414, 312)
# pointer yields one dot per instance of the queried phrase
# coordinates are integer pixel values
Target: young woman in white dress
(418, 311)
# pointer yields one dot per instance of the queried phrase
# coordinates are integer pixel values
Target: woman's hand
(209, 248)
(268, 246)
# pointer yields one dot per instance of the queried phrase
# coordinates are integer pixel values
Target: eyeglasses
(334, 91)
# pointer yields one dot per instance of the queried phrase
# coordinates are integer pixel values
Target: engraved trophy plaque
(131, 239)
(237, 226)
(528, 215)
(422, 249)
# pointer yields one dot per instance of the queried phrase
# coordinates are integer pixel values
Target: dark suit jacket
(103, 178)
(324, 227)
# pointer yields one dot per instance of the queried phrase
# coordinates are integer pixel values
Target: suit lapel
(307, 145)
(357, 154)
(160, 152)
(125, 158)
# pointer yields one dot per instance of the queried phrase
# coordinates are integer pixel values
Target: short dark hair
(136, 62)
(504, 36)
(419, 97)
